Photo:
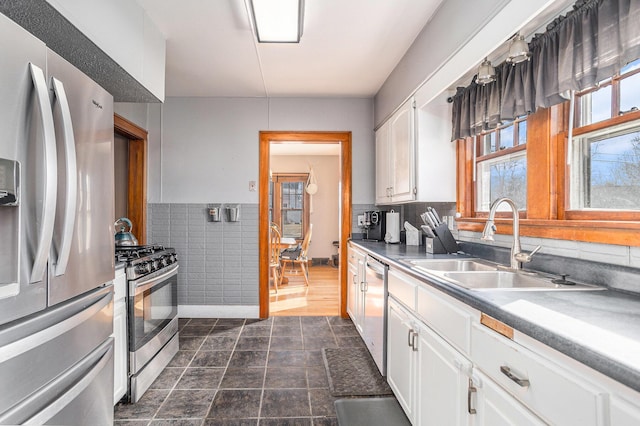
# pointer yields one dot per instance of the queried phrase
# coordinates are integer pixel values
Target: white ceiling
(348, 47)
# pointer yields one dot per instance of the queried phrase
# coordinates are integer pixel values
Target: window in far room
(290, 204)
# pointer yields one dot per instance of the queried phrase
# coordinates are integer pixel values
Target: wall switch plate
(360, 220)
(252, 186)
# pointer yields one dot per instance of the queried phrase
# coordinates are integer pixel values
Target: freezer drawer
(39, 349)
(79, 396)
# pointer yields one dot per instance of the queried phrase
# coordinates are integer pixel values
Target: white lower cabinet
(120, 336)
(447, 367)
(495, 407)
(401, 359)
(442, 382)
(428, 376)
(556, 394)
(624, 413)
(355, 295)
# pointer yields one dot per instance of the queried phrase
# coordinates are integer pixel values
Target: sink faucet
(518, 257)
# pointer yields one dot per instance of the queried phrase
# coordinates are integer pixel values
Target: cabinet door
(353, 290)
(402, 149)
(624, 413)
(495, 407)
(442, 382)
(120, 350)
(400, 357)
(383, 180)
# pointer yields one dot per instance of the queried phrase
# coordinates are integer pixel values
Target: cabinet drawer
(549, 390)
(449, 318)
(403, 288)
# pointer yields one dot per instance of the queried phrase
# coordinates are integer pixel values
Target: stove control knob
(165, 260)
(143, 268)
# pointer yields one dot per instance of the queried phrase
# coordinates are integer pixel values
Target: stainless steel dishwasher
(375, 311)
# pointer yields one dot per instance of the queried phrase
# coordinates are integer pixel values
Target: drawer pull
(413, 342)
(507, 372)
(470, 391)
(410, 338)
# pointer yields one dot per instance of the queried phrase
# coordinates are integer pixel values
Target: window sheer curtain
(589, 44)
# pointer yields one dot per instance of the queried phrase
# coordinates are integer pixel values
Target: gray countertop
(601, 329)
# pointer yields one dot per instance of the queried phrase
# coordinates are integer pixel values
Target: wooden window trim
(277, 211)
(479, 140)
(547, 193)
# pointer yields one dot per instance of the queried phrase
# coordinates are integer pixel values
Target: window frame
(480, 157)
(617, 118)
(278, 179)
(546, 215)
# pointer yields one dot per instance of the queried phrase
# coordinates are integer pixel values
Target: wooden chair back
(274, 245)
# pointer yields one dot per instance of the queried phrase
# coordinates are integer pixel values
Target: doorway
(344, 220)
(134, 178)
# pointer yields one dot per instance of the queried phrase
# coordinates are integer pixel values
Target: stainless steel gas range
(152, 312)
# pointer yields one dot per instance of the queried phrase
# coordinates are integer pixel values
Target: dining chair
(274, 256)
(301, 257)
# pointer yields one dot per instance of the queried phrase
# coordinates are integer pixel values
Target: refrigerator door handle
(27, 343)
(50, 175)
(68, 224)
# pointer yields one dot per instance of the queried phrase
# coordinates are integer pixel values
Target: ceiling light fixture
(518, 50)
(486, 73)
(277, 21)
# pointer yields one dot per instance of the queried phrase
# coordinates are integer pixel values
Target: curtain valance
(589, 44)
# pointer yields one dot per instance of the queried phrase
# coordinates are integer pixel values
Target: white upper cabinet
(383, 185)
(122, 29)
(414, 159)
(435, 154)
(395, 157)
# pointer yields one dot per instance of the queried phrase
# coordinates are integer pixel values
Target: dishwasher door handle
(375, 268)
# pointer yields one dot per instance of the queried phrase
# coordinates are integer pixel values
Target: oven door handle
(144, 285)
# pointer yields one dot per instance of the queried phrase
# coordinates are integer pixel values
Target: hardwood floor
(321, 298)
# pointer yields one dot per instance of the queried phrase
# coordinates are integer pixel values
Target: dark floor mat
(352, 372)
(370, 412)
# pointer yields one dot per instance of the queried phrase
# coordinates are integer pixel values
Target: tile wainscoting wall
(218, 260)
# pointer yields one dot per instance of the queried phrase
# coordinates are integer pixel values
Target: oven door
(153, 310)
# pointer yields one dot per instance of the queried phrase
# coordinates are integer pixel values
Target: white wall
(137, 45)
(325, 203)
(457, 38)
(210, 145)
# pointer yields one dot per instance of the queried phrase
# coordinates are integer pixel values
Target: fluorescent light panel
(278, 21)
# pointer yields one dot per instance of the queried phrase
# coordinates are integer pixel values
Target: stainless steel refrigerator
(56, 238)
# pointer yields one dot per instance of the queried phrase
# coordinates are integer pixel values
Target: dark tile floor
(245, 372)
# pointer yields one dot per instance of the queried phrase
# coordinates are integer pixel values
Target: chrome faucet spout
(490, 228)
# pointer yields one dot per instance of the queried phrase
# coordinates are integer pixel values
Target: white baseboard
(218, 311)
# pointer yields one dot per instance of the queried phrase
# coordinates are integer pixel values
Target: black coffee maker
(375, 224)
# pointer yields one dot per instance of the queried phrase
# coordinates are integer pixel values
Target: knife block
(434, 246)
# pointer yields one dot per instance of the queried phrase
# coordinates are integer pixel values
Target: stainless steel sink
(466, 265)
(508, 280)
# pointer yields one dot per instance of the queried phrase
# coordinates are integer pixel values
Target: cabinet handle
(413, 342)
(507, 372)
(355, 278)
(410, 337)
(470, 391)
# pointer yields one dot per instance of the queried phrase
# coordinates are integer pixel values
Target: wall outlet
(361, 220)
(252, 186)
